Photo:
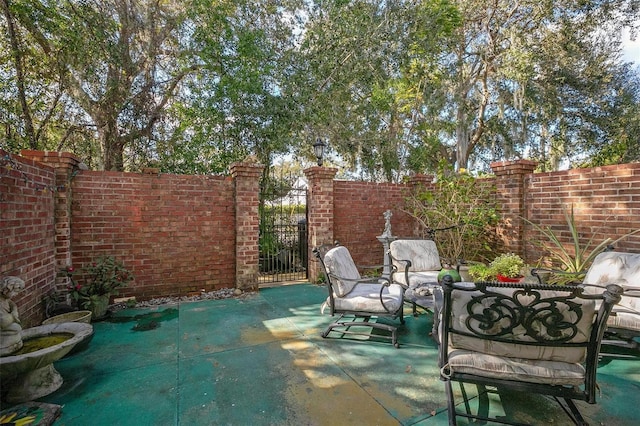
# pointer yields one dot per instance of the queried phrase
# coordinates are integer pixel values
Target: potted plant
(102, 279)
(481, 272)
(571, 264)
(507, 267)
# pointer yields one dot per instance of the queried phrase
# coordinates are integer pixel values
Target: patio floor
(260, 360)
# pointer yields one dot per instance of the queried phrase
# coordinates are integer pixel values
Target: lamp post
(318, 150)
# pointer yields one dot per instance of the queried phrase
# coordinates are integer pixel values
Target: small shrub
(461, 210)
(509, 265)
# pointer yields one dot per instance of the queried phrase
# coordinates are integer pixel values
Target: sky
(631, 49)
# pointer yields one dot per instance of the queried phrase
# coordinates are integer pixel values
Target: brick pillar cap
(48, 156)
(513, 167)
(246, 169)
(320, 172)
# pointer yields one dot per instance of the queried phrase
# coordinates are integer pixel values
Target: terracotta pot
(503, 279)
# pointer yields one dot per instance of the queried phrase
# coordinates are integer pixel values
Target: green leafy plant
(459, 213)
(573, 261)
(481, 272)
(508, 265)
(104, 276)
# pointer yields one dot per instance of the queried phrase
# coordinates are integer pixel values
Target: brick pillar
(510, 195)
(66, 165)
(320, 213)
(246, 177)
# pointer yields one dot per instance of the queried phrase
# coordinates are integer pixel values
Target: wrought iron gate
(283, 230)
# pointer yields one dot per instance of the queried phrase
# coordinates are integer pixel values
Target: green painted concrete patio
(259, 360)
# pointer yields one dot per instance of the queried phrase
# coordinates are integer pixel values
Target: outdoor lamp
(318, 149)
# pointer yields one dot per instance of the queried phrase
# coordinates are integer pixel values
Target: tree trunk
(463, 139)
(17, 59)
(111, 146)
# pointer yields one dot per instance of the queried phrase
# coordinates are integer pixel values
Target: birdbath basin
(29, 376)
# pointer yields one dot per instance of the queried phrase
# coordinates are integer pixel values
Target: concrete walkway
(260, 360)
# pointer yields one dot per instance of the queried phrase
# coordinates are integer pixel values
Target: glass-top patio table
(428, 296)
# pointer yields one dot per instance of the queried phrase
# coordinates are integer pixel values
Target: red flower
(70, 269)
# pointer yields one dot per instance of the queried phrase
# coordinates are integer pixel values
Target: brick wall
(606, 203)
(358, 217)
(175, 233)
(178, 234)
(27, 237)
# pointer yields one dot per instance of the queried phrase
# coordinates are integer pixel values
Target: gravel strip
(224, 293)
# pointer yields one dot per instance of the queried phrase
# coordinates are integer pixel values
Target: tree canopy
(396, 87)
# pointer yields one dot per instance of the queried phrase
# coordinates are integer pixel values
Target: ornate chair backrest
(527, 321)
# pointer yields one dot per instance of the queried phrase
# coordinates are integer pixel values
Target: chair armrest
(628, 291)
(407, 262)
(384, 282)
(631, 292)
(537, 271)
(394, 269)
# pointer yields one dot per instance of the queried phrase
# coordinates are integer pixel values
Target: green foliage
(397, 87)
(481, 272)
(509, 265)
(104, 276)
(364, 71)
(575, 259)
(461, 210)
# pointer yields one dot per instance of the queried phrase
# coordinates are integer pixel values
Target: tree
(239, 102)
(34, 111)
(121, 62)
(396, 87)
(519, 70)
(361, 78)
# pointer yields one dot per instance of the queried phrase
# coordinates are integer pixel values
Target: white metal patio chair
(358, 300)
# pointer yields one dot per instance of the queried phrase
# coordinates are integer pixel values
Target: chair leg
(347, 324)
(572, 411)
(451, 405)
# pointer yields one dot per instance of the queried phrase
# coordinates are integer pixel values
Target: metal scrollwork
(524, 313)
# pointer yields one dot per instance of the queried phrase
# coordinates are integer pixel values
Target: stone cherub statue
(387, 223)
(10, 326)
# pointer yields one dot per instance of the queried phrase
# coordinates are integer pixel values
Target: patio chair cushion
(417, 278)
(340, 264)
(622, 269)
(526, 370)
(624, 320)
(424, 257)
(366, 298)
(462, 320)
